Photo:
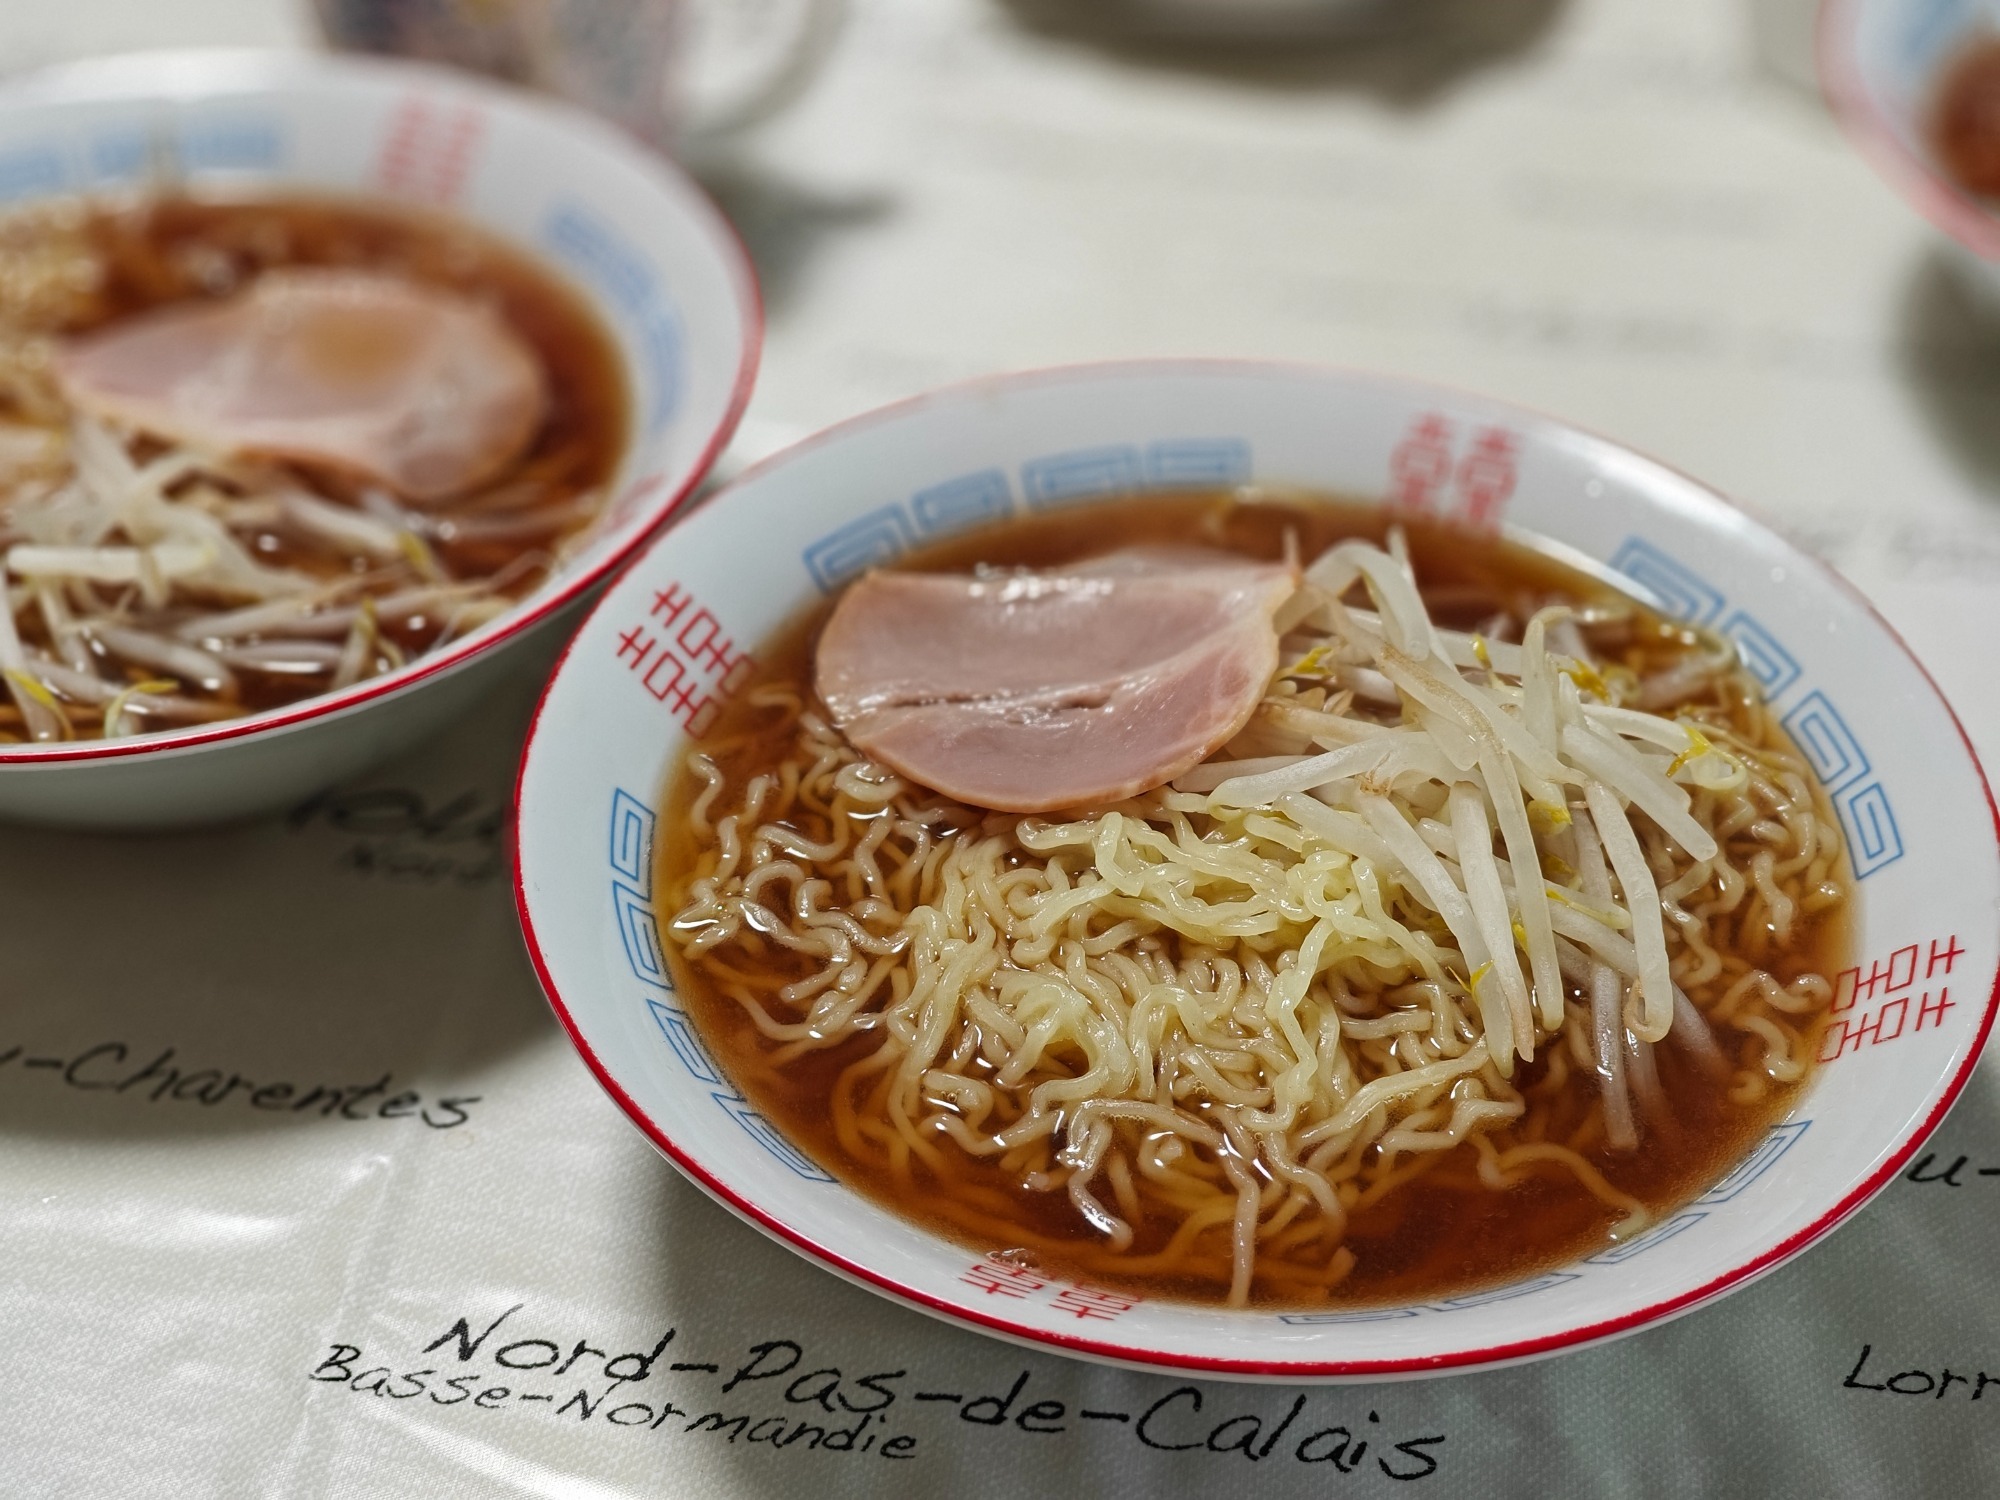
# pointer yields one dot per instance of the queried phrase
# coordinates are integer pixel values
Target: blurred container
(1881, 63)
(670, 71)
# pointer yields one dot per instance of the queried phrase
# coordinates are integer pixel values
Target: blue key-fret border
(224, 137)
(991, 494)
(1815, 725)
(632, 826)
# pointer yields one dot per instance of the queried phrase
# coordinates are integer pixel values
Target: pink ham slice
(420, 389)
(1031, 692)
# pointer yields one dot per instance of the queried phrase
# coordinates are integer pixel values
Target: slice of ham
(417, 388)
(1036, 691)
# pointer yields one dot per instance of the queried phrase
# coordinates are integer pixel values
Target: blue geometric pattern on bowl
(1085, 474)
(1509, 1293)
(877, 537)
(1757, 1163)
(884, 534)
(197, 139)
(1659, 1234)
(1819, 730)
(605, 262)
(1768, 662)
(1684, 593)
(632, 827)
(1378, 1315)
(958, 503)
(1814, 724)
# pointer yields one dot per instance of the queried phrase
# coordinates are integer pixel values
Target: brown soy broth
(1440, 1234)
(172, 249)
(1965, 124)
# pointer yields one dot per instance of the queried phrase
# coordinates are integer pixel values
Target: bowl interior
(648, 251)
(1910, 798)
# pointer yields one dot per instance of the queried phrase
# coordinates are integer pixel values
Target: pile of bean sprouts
(1254, 1002)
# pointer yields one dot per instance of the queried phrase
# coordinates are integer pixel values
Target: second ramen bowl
(1912, 802)
(647, 251)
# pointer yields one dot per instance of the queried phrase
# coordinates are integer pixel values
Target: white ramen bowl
(649, 252)
(1910, 796)
(1880, 62)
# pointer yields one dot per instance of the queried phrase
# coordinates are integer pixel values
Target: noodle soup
(257, 449)
(1229, 1038)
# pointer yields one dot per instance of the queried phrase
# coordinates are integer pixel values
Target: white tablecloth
(305, 1195)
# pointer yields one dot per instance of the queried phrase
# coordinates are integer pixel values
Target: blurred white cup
(674, 72)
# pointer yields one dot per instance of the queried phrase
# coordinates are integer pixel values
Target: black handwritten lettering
(1298, 1405)
(641, 1365)
(874, 1385)
(1161, 1405)
(1043, 1416)
(754, 1370)
(152, 1070)
(416, 1378)
(582, 1348)
(799, 1392)
(526, 1362)
(1921, 1171)
(462, 1331)
(192, 1085)
(714, 1420)
(398, 836)
(1854, 1382)
(1412, 1448)
(992, 1410)
(1334, 1452)
(453, 1108)
(379, 1375)
(842, 1439)
(1252, 1427)
(328, 1100)
(356, 1095)
(72, 1075)
(779, 1373)
(340, 1362)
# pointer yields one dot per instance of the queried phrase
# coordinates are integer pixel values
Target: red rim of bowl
(645, 521)
(1847, 95)
(1461, 1360)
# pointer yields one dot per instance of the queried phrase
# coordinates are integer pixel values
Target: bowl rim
(1484, 1357)
(1946, 205)
(195, 72)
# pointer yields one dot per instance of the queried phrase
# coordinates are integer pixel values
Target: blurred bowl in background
(653, 258)
(1882, 64)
